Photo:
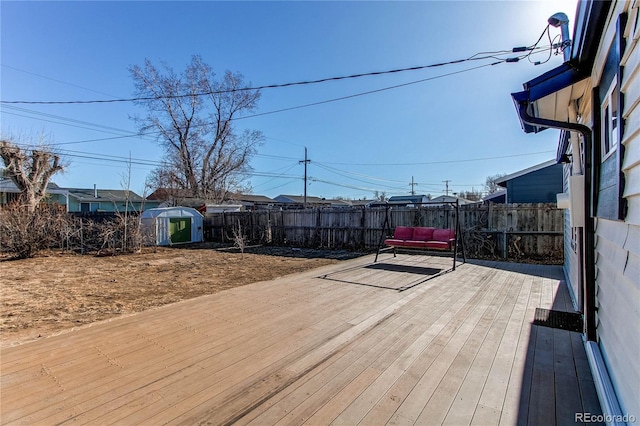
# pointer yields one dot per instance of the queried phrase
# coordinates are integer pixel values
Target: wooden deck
(340, 344)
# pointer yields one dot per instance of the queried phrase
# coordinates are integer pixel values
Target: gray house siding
(617, 242)
(572, 246)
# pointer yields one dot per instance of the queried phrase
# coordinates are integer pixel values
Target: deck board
(340, 344)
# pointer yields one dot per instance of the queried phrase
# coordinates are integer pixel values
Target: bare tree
(30, 170)
(193, 114)
(490, 185)
(380, 195)
(473, 195)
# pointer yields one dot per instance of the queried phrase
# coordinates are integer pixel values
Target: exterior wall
(540, 186)
(572, 246)
(618, 241)
(111, 206)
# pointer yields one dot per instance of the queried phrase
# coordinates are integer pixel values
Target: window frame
(609, 131)
(91, 204)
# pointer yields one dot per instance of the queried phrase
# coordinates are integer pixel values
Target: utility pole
(413, 184)
(305, 161)
(446, 182)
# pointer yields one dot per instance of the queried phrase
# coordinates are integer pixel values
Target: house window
(574, 239)
(609, 127)
(89, 207)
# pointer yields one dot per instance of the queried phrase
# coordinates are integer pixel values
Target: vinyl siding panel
(617, 243)
(618, 294)
(631, 140)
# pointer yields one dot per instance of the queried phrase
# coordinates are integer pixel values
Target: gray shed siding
(540, 186)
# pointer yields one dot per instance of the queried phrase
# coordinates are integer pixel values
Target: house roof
(250, 198)
(503, 180)
(408, 199)
(7, 185)
(566, 82)
(298, 199)
(115, 195)
(450, 199)
(165, 193)
(496, 195)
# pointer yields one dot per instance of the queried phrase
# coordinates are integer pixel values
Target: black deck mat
(569, 321)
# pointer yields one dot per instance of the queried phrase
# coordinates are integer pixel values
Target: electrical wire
(359, 180)
(95, 126)
(474, 57)
(359, 188)
(298, 106)
(440, 162)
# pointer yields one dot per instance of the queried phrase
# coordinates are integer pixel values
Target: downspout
(589, 228)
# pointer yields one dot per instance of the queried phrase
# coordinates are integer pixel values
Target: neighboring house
(106, 200)
(83, 200)
(251, 202)
(221, 208)
(594, 98)
(178, 197)
(9, 192)
(499, 197)
(406, 200)
(451, 199)
(297, 201)
(166, 197)
(362, 203)
(537, 184)
(341, 204)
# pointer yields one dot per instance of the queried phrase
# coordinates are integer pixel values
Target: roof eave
(591, 17)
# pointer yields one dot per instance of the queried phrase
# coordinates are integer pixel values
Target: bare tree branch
(30, 172)
(204, 154)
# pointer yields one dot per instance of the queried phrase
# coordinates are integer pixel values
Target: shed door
(180, 229)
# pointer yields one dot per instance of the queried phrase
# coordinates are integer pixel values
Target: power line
(78, 123)
(57, 81)
(474, 57)
(295, 107)
(440, 162)
(360, 180)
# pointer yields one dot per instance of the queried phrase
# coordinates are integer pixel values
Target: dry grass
(55, 292)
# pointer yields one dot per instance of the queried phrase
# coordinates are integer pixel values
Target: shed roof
(178, 211)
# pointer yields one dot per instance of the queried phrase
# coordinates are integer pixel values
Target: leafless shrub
(239, 239)
(25, 231)
(122, 233)
(479, 244)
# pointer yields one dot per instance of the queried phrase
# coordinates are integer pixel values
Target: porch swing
(428, 240)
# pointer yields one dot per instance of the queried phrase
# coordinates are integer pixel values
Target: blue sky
(462, 127)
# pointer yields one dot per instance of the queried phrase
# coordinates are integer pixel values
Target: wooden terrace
(354, 343)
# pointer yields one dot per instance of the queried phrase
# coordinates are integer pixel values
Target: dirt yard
(55, 292)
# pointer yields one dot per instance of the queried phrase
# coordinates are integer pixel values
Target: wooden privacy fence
(515, 231)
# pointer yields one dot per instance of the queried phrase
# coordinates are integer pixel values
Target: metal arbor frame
(458, 244)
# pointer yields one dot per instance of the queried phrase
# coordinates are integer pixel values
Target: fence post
(504, 244)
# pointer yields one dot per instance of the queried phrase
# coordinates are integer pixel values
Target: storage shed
(173, 225)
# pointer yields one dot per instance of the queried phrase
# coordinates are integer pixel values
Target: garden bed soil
(54, 292)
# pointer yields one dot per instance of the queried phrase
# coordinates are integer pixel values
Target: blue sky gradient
(460, 128)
